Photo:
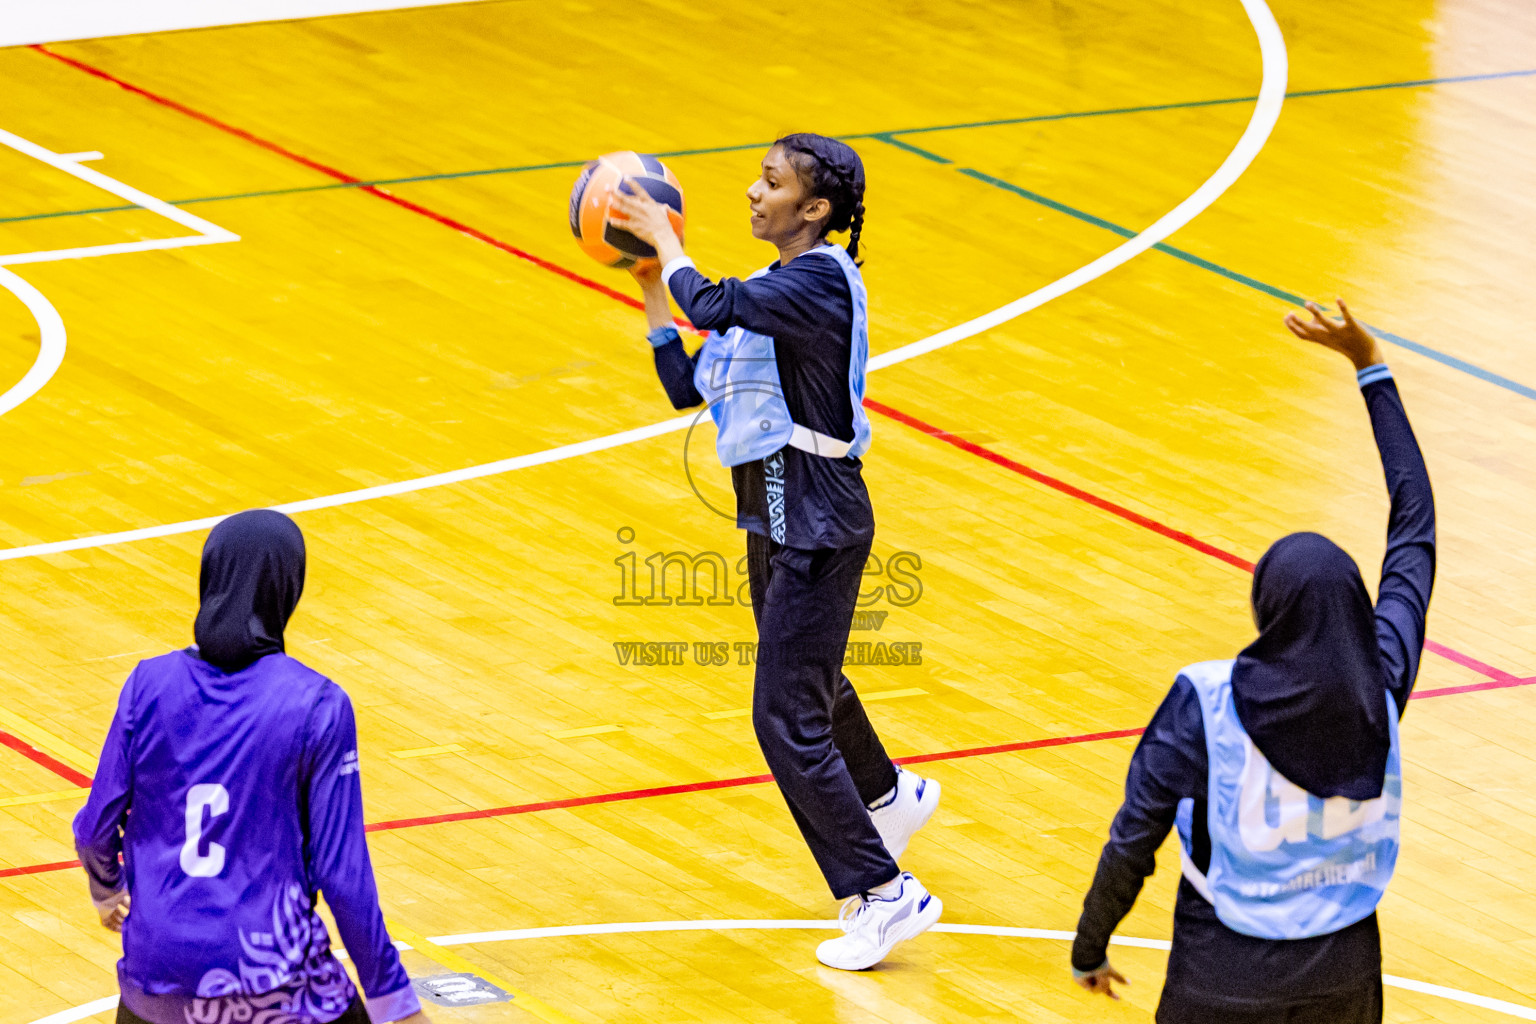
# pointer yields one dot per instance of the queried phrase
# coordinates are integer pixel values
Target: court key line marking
(205, 232)
(1265, 113)
(342, 176)
(436, 951)
(52, 337)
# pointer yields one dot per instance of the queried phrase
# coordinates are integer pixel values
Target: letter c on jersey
(215, 798)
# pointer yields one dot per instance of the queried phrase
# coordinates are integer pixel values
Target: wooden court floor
(1066, 502)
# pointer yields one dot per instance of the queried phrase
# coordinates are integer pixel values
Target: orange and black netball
(596, 232)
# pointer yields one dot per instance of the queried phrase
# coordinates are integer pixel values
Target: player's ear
(817, 209)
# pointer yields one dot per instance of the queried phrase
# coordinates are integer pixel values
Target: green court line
(1443, 358)
(888, 137)
(1190, 104)
(1125, 232)
(891, 140)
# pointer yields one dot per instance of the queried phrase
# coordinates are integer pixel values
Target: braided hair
(830, 170)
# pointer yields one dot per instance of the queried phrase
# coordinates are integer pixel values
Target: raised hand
(1102, 980)
(1345, 336)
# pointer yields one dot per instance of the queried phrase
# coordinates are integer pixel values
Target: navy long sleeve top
(807, 308)
(1211, 964)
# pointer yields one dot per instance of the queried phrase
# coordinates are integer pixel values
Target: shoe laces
(848, 914)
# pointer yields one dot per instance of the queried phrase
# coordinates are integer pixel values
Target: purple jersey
(234, 798)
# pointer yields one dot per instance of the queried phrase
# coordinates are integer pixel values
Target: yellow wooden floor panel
(345, 342)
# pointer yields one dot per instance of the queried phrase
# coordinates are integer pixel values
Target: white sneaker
(872, 926)
(909, 810)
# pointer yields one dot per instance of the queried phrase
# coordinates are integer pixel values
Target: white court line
(51, 341)
(1390, 980)
(52, 338)
(1265, 113)
(640, 927)
(208, 233)
(112, 249)
(79, 1012)
(58, 20)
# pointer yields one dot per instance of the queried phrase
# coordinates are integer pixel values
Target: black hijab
(1310, 690)
(252, 576)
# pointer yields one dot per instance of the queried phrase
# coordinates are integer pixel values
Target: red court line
(38, 869)
(1060, 485)
(1496, 684)
(1009, 748)
(745, 780)
(331, 172)
(575, 801)
(1501, 678)
(642, 794)
(1467, 661)
(752, 780)
(45, 759)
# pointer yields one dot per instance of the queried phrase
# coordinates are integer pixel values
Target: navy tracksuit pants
(823, 753)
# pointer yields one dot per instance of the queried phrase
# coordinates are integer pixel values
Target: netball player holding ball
(782, 371)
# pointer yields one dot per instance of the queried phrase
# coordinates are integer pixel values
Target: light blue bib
(1284, 864)
(738, 376)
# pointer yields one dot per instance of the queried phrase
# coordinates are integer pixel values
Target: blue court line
(888, 137)
(1232, 275)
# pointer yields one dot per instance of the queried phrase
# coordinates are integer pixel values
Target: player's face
(777, 198)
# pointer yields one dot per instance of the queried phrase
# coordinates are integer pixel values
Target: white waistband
(1196, 877)
(817, 443)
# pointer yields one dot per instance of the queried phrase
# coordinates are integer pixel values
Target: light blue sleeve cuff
(673, 267)
(397, 1005)
(666, 334)
(1372, 374)
(1083, 974)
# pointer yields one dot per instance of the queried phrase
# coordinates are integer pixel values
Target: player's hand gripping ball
(603, 239)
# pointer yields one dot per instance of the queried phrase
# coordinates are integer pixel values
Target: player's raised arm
(1408, 570)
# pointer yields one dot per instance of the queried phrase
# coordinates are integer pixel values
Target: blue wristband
(1372, 374)
(666, 334)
